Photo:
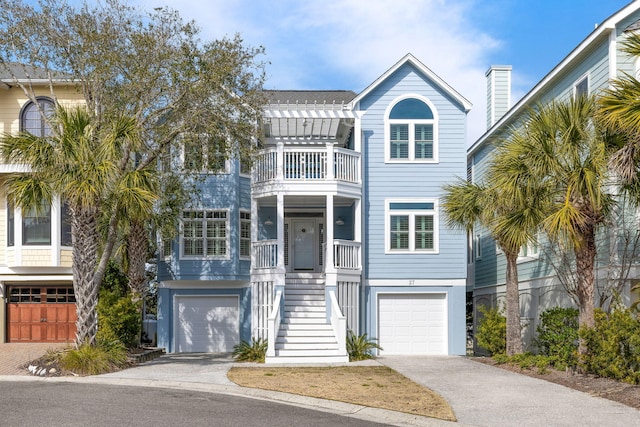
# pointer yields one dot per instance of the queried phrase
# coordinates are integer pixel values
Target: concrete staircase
(305, 335)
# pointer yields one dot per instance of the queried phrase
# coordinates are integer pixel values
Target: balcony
(326, 164)
(346, 255)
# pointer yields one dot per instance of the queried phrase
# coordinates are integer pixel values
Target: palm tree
(503, 212)
(563, 156)
(619, 113)
(83, 165)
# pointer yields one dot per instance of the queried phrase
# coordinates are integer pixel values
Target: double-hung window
(245, 234)
(204, 155)
(204, 233)
(411, 132)
(412, 226)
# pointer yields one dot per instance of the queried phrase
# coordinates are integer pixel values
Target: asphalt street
(59, 404)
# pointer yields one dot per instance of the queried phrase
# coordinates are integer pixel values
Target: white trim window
(245, 234)
(411, 226)
(581, 87)
(529, 251)
(204, 155)
(205, 234)
(411, 131)
(477, 243)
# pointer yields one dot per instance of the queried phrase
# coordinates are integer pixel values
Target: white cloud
(346, 44)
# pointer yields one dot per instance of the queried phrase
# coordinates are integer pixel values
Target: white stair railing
(273, 325)
(339, 323)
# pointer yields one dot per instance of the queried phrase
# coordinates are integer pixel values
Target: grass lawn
(372, 386)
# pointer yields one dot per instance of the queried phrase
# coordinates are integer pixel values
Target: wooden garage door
(209, 324)
(41, 314)
(412, 324)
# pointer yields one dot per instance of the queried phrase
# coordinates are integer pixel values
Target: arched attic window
(31, 117)
(412, 132)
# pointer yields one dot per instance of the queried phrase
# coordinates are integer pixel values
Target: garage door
(37, 313)
(412, 324)
(207, 324)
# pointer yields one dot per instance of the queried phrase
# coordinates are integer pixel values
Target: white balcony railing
(307, 164)
(266, 253)
(346, 254)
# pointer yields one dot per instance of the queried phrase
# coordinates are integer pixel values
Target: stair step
(313, 329)
(300, 309)
(304, 291)
(305, 320)
(308, 360)
(316, 340)
(303, 315)
(303, 353)
(312, 346)
(305, 303)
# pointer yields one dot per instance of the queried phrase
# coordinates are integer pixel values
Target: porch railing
(346, 254)
(307, 164)
(266, 253)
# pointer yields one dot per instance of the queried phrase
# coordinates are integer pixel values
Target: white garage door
(209, 324)
(412, 324)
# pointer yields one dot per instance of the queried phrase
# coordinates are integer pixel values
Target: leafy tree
(153, 69)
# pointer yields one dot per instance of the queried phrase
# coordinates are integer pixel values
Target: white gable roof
(409, 58)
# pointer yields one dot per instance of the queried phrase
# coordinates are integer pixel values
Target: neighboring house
(338, 228)
(38, 303)
(588, 69)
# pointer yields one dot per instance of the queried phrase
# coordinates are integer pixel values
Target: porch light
(339, 221)
(268, 221)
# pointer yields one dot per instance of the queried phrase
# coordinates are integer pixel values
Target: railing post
(330, 162)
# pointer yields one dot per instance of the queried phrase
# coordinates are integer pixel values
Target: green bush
(492, 331)
(118, 316)
(360, 347)
(95, 359)
(255, 351)
(557, 336)
(613, 346)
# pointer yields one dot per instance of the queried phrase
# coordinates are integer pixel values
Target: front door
(304, 245)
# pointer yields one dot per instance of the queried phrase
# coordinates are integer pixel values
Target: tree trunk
(514, 332)
(585, 261)
(137, 245)
(85, 256)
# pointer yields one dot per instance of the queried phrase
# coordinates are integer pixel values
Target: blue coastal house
(587, 69)
(337, 227)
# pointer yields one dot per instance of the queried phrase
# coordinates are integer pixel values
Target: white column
(330, 162)
(255, 220)
(357, 227)
(329, 264)
(280, 161)
(280, 227)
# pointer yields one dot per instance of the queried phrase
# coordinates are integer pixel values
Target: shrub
(613, 346)
(360, 347)
(557, 336)
(492, 331)
(95, 359)
(254, 352)
(118, 316)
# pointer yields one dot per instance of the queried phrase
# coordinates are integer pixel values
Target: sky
(347, 44)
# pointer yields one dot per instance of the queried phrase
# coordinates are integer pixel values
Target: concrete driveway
(483, 395)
